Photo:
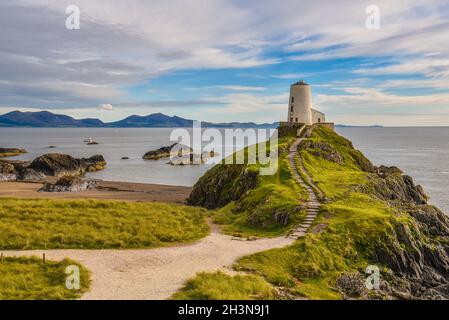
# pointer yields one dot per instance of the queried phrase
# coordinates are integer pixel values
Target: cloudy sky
(227, 60)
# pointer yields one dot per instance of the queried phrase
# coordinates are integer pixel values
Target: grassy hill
(372, 216)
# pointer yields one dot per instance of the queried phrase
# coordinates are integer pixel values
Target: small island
(11, 152)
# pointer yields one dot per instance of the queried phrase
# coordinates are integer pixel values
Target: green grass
(275, 196)
(94, 224)
(30, 279)
(355, 223)
(220, 286)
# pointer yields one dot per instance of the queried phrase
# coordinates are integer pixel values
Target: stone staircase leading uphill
(313, 204)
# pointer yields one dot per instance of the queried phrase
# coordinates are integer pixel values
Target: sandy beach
(106, 190)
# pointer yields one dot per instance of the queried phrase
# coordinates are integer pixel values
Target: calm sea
(422, 153)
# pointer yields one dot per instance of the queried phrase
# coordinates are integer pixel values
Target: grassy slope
(219, 286)
(354, 223)
(30, 279)
(253, 214)
(91, 224)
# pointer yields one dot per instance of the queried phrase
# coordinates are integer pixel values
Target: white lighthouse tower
(300, 105)
(300, 111)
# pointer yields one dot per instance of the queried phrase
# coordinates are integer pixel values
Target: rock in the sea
(125, 158)
(192, 158)
(163, 152)
(55, 164)
(11, 152)
(69, 184)
(92, 164)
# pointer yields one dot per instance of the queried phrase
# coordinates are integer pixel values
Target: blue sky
(227, 60)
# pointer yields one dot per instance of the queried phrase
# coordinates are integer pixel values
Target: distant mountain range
(45, 119)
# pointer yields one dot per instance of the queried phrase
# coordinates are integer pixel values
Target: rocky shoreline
(68, 169)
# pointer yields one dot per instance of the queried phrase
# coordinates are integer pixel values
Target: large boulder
(69, 184)
(55, 164)
(7, 171)
(163, 152)
(92, 164)
(192, 158)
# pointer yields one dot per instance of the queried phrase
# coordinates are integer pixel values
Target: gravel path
(160, 272)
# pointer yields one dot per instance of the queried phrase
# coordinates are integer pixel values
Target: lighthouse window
(291, 108)
(293, 99)
(291, 119)
(296, 119)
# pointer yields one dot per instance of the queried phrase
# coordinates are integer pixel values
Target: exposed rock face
(322, 149)
(10, 152)
(391, 184)
(352, 285)
(92, 164)
(7, 171)
(69, 184)
(221, 185)
(192, 158)
(55, 164)
(163, 152)
(31, 175)
(418, 255)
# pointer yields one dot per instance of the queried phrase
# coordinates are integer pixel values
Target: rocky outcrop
(55, 164)
(69, 184)
(52, 164)
(163, 152)
(92, 164)
(351, 285)
(391, 185)
(11, 152)
(221, 185)
(322, 149)
(192, 158)
(7, 171)
(417, 253)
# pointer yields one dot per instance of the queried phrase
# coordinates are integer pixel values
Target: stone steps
(313, 205)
